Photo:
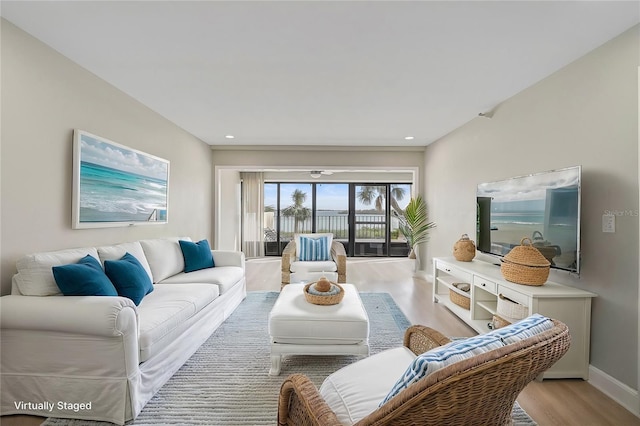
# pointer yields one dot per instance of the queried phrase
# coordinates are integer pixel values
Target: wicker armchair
(338, 255)
(477, 391)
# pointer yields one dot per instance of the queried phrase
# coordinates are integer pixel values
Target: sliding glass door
(374, 211)
(363, 217)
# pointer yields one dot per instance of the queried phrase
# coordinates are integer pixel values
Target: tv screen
(544, 207)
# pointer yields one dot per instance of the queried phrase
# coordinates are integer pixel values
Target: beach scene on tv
(117, 184)
(543, 208)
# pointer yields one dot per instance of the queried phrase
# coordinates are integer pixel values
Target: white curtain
(253, 214)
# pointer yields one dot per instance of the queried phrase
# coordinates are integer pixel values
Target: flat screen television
(544, 207)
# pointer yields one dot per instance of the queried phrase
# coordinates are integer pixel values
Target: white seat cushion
(356, 390)
(318, 266)
(165, 313)
(293, 320)
(224, 277)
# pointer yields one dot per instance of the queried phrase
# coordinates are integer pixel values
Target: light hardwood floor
(549, 403)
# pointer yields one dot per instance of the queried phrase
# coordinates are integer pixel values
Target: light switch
(608, 223)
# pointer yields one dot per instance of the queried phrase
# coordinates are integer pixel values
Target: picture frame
(114, 185)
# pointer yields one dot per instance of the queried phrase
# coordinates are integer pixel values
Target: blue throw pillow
(129, 277)
(85, 278)
(196, 255)
(462, 349)
(314, 249)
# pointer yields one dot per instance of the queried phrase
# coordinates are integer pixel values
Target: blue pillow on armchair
(85, 278)
(196, 255)
(129, 277)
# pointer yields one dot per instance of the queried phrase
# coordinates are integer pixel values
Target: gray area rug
(226, 381)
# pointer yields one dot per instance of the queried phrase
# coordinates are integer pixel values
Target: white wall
(44, 97)
(227, 225)
(585, 114)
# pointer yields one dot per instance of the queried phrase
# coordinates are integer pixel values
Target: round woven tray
(315, 299)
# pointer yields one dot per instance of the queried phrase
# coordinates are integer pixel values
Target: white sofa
(104, 351)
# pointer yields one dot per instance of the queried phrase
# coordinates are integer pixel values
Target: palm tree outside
(297, 210)
(376, 195)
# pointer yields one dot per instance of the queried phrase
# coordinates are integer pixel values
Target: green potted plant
(414, 224)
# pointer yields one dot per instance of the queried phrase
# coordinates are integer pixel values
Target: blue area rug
(226, 381)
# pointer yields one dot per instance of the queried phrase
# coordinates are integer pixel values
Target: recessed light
(408, 138)
(229, 136)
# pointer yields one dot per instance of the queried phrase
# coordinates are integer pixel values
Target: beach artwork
(115, 185)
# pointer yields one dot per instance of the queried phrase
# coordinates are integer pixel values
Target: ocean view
(110, 195)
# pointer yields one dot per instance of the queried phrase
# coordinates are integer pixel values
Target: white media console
(567, 304)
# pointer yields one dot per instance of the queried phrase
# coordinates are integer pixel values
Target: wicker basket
(459, 298)
(464, 249)
(315, 299)
(499, 322)
(525, 264)
(510, 309)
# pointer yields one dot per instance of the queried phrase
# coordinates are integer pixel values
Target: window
(361, 216)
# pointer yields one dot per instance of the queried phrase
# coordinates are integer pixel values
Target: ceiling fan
(317, 173)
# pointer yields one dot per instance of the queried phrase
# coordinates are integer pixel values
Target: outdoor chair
(310, 256)
(480, 390)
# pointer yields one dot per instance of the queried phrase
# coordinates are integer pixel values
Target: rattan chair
(479, 391)
(338, 256)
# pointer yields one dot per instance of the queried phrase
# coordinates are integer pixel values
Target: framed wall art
(114, 185)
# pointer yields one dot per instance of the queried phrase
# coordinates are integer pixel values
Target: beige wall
(44, 97)
(585, 114)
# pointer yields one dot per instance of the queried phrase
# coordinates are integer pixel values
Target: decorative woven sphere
(323, 285)
(464, 249)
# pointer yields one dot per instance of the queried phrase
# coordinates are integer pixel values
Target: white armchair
(304, 259)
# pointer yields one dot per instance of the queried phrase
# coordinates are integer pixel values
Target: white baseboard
(614, 389)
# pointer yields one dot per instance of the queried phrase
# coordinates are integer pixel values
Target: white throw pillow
(35, 276)
(116, 252)
(164, 256)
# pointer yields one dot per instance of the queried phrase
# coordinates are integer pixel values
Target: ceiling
(348, 73)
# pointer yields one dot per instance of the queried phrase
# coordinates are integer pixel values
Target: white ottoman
(297, 327)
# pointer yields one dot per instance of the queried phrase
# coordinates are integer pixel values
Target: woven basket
(499, 322)
(461, 300)
(315, 299)
(510, 309)
(524, 264)
(464, 249)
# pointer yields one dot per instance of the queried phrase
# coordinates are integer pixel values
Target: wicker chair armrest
(339, 255)
(300, 403)
(420, 339)
(288, 255)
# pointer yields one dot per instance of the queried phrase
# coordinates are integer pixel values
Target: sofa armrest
(300, 403)
(420, 339)
(228, 258)
(288, 257)
(89, 315)
(339, 255)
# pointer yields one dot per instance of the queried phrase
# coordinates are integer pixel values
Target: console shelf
(567, 304)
